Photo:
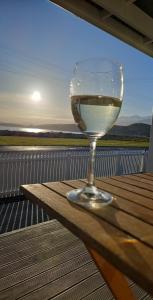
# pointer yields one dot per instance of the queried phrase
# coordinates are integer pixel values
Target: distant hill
(128, 120)
(121, 121)
(5, 124)
(137, 130)
(133, 130)
(60, 127)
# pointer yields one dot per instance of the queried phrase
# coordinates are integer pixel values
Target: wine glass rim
(113, 61)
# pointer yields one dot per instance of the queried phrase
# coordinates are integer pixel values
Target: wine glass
(96, 92)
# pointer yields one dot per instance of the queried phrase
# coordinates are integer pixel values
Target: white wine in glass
(96, 92)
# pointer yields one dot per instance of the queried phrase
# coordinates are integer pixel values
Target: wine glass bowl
(96, 92)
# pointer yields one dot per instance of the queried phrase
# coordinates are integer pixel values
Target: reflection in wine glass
(96, 92)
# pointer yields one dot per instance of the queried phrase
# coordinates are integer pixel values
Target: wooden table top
(121, 232)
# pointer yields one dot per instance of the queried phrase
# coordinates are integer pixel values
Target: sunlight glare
(36, 96)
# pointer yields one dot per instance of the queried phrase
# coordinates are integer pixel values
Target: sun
(36, 96)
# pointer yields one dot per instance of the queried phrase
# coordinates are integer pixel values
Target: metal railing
(24, 167)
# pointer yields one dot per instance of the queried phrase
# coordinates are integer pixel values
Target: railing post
(149, 163)
(145, 161)
(68, 166)
(118, 165)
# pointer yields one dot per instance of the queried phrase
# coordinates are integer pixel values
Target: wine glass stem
(90, 175)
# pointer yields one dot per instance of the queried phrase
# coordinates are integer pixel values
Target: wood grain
(137, 183)
(133, 226)
(128, 187)
(150, 174)
(27, 233)
(53, 287)
(46, 243)
(146, 176)
(50, 275)
(44, 263)
(130, 207)
(145, 183)
(118, 191)
(36, 257)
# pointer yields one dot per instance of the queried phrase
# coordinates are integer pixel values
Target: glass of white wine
(96, 92)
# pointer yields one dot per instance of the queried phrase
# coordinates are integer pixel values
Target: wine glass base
(90, 197)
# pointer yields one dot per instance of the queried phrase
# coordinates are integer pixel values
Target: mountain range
(133, 130)
(70, 130)
(136, 129)
(133, 126)
(123, 120)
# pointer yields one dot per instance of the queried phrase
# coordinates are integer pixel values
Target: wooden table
(119, 237)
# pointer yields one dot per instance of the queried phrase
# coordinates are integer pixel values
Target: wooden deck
(46, 261)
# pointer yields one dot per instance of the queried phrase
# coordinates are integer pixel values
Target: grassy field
(35, 141)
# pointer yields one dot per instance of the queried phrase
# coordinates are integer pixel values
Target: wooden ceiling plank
(148, 41)
(130, 1)
(130, 14)
(105, 14)
(93, 15)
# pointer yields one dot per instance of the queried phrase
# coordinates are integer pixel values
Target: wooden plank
(131, 206)
(130, 1)
(35, 258)
(28, 233)
(49, 291)
(131, 181)
(11, 248)
(49, 284)
(93, 15)
(85, 288)
(141, 179)
(143, 213)
(150, 174)
(146, 176)
(135, 190)
(45, 263)
(122, 250)
(124, 221)
(118, 191)
(130, 14)
(99, 294)
(34, 247)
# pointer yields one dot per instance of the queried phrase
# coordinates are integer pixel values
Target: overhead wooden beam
(130, 14)
(105, 14)
(95, 16)
(130, 1)
(148, 41)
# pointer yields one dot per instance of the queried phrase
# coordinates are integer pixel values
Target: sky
(39, 45)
